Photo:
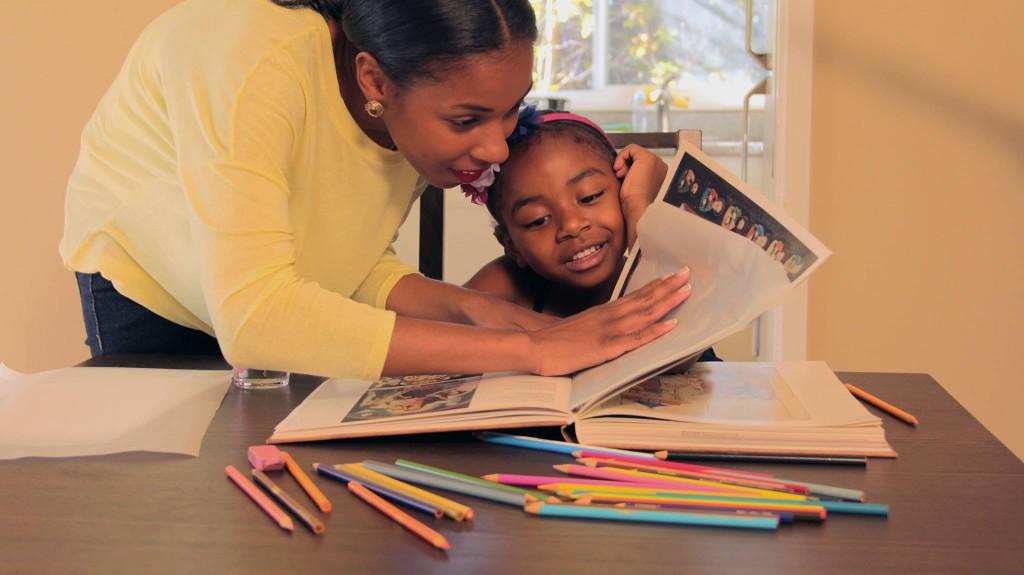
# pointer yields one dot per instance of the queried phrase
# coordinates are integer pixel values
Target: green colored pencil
(538, 495)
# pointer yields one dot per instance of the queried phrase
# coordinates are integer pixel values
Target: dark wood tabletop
(956, 496)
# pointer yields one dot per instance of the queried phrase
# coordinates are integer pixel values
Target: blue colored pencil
(553, 446)
(650, 516)
(391, 494)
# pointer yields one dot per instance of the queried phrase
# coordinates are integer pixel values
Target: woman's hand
(642, 173)
(609, 330)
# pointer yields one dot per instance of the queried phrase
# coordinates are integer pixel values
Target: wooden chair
(431, 254)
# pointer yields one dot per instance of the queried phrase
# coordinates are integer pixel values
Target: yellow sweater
(223, 184)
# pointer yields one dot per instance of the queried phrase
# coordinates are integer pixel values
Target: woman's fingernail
(685, 288)
(684, 270)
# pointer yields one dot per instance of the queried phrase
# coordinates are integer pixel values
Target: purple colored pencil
(379, 490)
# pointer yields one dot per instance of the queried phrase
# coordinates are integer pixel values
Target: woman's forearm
(426, 347)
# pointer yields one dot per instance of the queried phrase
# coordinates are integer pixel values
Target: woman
(246, 173)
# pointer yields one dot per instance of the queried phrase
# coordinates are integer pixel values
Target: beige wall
(917, 182)
(56, 60)
(918, 164)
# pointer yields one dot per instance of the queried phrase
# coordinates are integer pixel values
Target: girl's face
(450, 131)
(560, 209)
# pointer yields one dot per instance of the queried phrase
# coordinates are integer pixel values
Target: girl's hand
(642, 173)
(607, 331)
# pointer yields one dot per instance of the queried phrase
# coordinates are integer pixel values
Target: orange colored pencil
(884, 406)
(307, 484)
(275, 513)
(399, 516)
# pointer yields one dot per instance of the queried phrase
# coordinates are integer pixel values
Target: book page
(733, 282)
(743, 252)
(788, 394)
(341, 403)
(724, 393)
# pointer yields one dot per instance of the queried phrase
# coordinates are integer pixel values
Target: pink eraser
(266, 457)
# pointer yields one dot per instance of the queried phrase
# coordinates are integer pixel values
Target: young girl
(564, 214)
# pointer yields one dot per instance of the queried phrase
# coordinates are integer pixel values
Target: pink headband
(569, 116)
(477, 190)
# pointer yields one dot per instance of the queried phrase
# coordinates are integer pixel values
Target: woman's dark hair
(578, 133)
(416, 39)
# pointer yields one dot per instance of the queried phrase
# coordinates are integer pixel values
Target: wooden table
(957, 498)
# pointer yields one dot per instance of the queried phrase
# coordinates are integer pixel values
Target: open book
(735, 275)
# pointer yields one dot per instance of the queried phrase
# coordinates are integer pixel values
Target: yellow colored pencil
(630, 474)
(453, 509)
(574, 490)
(883, 405)
(600, 463)
(307, 485)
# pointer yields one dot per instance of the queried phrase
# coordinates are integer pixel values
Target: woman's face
(450, 131)
(560, 209)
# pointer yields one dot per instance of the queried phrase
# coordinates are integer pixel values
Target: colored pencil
(538, 480)
(760, 457)
(648, 516)
(399, 516)
(470, 479)
(268, 507)
(816, 514)
(832, 491)
(572, 490)
(674, 465)
(783, 516)
(769, 485)
(447, 483)
(551, 445)
(328, 471)
(314, 524)
(883, 405)
(453, 509)
(656, 479)
(306, 483)
(843, 507)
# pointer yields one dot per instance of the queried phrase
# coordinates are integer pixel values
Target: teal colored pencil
(651, 516)
(539, 495)
(447, 483)
(847, 507)
(553, 446)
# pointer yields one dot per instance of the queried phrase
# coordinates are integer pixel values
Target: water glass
(247, 378)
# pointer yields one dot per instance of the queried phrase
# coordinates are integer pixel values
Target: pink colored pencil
(598, 473)
(275, 513)
(536, 480)
(673, 465)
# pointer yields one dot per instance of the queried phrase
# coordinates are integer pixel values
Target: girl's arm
(502, 278)
(491, 301)
(643, 174)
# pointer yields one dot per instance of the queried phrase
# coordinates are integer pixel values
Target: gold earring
(374, 108)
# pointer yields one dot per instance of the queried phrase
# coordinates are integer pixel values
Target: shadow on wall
(913, 84)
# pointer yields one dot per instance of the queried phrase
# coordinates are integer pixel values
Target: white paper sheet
(98, 410)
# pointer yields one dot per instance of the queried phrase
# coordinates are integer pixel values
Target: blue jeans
(116, 324)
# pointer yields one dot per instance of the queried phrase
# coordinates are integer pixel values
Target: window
(601, 53)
